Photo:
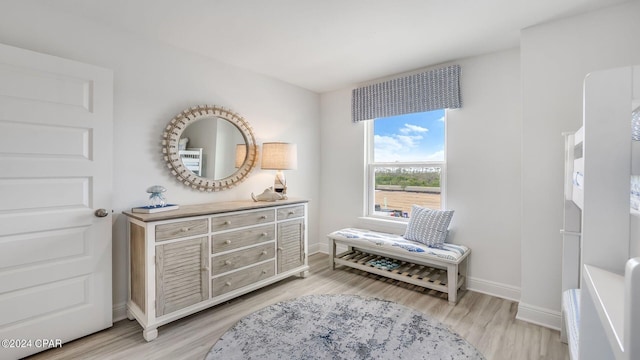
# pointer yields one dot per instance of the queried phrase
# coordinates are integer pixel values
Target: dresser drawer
(291, 212)
(240, 238)
(227, 222)
(181, 229)
(241, 278)
(227, 262)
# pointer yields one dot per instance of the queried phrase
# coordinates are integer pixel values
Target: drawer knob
(263, 217)
(228, 242)
(280, 249)
(264, 234)
(264, 272)
(205, 268)
(264, 252)
(291, 212)
(227, 262)
(184, 229)
(228, 283)
(228, 222)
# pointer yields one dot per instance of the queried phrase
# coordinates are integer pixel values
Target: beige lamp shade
(241, 154)
(279, 156)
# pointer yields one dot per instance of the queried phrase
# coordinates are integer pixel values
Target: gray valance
(431, 90)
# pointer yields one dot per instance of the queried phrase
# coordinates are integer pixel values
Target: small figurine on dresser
(157, 201)
(267, 195)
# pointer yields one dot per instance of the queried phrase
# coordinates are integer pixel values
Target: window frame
(370, 166)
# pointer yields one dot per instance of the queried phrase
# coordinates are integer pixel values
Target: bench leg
(452, 283)
(332, 254)
(462, 269)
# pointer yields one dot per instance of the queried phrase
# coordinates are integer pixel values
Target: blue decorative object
(408, 247)
(383, 264)
(156, 197)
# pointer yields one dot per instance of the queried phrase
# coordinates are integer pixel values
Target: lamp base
(280, 184)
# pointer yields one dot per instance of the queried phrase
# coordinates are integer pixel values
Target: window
(406, 163)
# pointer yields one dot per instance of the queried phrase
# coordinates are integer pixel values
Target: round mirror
(209, 148)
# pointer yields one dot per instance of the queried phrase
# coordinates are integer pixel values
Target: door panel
(25, 194)
(36, 140)
(290, 245)
(56, 132)
(41, 247)
(182, 274)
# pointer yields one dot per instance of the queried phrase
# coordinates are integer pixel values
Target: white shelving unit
(577, 175)
(572, 212)
(613, 297)
(610, 282)
(192, 160)
(571, 238)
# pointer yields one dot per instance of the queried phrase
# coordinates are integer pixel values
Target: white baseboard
(319, 248)
(493, 288)
(119, 311)
(539, 316)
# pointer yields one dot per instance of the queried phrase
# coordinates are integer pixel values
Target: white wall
(555, 59)
(341, 165)
(483, 169)
(153, 83)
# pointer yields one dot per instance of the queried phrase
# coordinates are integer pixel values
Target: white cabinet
(189, 259)
(610, 283)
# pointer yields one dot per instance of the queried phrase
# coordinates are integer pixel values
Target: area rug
(340, 327)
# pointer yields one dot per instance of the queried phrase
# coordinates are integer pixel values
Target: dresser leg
(150, 334)
(304, 274)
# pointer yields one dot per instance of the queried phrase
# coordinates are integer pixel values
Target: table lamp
(279, 156)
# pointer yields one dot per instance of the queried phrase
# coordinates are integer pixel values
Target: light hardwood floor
(486, 322)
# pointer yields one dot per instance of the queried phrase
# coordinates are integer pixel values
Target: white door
(56, 130)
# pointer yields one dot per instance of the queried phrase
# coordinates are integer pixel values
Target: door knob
(101, 213)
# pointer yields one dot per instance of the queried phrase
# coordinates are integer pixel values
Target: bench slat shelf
(424, 276)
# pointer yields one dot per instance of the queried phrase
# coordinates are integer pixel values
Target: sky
(410, 137)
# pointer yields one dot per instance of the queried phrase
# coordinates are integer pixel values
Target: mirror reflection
(209, 148)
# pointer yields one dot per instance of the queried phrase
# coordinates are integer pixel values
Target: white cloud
(441, 119)
(408, 140)
(402, 148)
(385, 141)
(409, 128)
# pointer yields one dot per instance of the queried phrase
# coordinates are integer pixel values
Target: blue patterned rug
(340, 327)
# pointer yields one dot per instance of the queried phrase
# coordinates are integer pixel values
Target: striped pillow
(428, 226)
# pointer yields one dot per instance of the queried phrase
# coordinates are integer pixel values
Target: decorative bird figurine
(267, 195)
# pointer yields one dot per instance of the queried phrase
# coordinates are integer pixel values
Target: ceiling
(323, 45)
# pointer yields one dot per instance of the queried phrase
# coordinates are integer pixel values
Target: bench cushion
(392, 243)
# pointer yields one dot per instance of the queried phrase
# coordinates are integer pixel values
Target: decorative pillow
(428, 226)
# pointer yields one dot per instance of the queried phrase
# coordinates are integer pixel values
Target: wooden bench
(443, 269)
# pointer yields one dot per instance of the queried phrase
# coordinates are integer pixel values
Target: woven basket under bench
(395, 257)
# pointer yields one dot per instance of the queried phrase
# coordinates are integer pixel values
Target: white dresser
(187, 260)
